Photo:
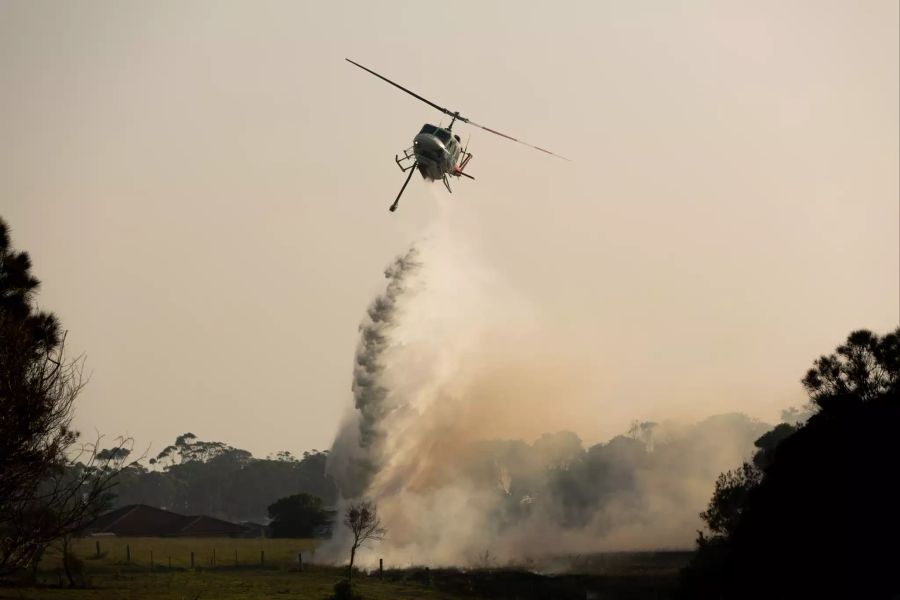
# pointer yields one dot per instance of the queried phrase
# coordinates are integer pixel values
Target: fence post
(151, 560)
(170, 561)
(262, 558)
(214, 557)
(381, 568)
(98, 548)
(192, 560)
(128, 554)
(235, 560)
(300, 562)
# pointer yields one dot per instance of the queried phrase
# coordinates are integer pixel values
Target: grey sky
(203, 187)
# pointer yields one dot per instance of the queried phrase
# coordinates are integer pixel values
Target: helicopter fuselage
(437, 152)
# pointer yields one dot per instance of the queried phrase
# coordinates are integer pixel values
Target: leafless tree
(361, 518)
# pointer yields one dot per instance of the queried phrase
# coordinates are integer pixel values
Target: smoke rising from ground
(466, 431)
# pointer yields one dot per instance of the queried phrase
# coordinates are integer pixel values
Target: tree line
(193, 476)
(816, 512)
(813, 514)
(54, 482)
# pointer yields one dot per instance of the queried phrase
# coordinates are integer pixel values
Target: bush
(343, 590)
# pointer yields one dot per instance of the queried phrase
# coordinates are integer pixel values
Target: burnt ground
(614, 576)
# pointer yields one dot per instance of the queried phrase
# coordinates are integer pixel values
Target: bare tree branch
(362, 519)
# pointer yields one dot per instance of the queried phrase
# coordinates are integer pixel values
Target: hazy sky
(203, 187)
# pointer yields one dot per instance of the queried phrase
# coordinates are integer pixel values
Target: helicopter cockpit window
(430, 129)
(443, 135)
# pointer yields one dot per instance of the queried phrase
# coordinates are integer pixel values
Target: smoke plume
(467, 431)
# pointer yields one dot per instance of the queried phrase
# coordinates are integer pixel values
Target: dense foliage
(212, 478)
(50, 484)
(299, 516)
(816, 513)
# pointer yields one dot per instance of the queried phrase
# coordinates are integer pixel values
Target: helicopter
(437, 152)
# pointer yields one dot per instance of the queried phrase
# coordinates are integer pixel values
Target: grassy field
(234, 569)
(208, 552)
(222, 584)
(113, 576)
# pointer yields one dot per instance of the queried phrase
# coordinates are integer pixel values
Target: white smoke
(450, 362)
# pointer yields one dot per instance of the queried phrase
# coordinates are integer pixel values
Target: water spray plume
(456, 386)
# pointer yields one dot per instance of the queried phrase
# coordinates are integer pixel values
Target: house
(140, 520)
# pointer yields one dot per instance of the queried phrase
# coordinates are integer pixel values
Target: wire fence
(197, 553)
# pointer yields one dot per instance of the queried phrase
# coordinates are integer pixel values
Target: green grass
(222, 584)
(112, 576)
(611, 576)
(281, 553)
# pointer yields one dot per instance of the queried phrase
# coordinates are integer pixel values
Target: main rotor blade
(396, 85)
(453, 114)
(509, 137)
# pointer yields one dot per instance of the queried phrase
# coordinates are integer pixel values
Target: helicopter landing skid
(407, 162)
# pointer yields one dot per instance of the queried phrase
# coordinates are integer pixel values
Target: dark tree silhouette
(298, 516)
(361, 518)
(728, 501)
(45, 494)
(193, 476)
(117, 454)
(816, 515)
(865, 368)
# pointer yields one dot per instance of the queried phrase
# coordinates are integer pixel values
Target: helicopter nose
(428, 145)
